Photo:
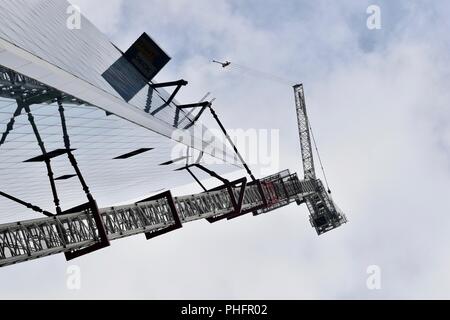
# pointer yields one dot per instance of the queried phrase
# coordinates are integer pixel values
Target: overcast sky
(379, 104)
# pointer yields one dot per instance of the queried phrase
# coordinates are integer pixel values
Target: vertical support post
(47, 161)
(237, 203)
(70, 155)
(173, 210)
(101, 229)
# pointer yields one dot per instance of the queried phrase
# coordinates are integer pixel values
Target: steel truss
(28, 92)
(87, 228)
(27, 240)
(324, 214)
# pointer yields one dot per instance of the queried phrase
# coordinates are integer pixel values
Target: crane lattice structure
(87, 228)
(76, 111)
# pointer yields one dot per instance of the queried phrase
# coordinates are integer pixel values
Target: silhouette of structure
(75, 110)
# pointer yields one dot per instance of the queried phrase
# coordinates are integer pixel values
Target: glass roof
(36, 42)
(119, 160)
(122, 147)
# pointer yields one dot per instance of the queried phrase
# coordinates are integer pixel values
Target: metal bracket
(169, 84)
(208, 104)
(203, 168)
(102, 235)
(237, 204)
(255, 209)
(171, 203)
(195, 118)
(204, 104)
(178, 84)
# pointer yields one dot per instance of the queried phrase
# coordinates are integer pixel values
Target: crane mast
(37, 73)
(304, 132)
(324, 214)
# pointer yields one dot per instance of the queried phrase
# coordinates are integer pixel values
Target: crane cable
(320, 159)
(254, 72)
(261, 74)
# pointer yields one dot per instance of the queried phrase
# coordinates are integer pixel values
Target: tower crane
(86, 228)
(324, 214)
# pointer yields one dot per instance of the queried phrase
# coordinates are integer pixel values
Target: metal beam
(169, 84)
(304, 132)
(195, 105)
(236, 151)
(26, 204)
(38, 238)
(47, 160)
(104, 241)
(208, 104)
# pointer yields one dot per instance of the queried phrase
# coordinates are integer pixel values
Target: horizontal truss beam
(27, 240)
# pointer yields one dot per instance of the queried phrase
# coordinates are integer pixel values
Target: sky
(378, 101)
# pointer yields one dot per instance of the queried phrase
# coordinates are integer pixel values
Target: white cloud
(104, 14)
(381, 119)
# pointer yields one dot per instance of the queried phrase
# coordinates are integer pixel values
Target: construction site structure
(86, 228)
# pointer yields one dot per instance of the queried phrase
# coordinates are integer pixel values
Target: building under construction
(81, 121)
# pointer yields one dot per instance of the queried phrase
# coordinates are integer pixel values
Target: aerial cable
(263, 74)
(320, 159)
(268, 76)
(254, 72)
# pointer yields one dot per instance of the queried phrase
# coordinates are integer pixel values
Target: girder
(304, 131)
(27, 240)
(14, 85)
(78, 231)
(77, 72)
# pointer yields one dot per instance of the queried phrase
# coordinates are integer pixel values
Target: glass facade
(122, 147)
(35, 41)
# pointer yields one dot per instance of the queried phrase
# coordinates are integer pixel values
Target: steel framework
(69, 232)
(87, 228)
(324, 214)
